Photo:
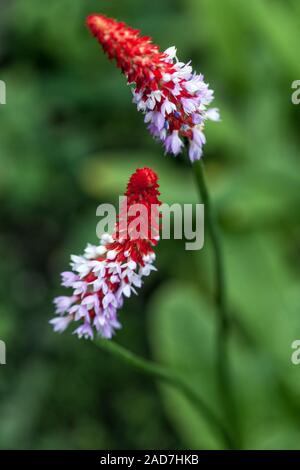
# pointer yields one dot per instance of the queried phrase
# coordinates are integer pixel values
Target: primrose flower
(108, 273)
(174, 99)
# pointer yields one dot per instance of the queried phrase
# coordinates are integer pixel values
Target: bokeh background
(69, 139)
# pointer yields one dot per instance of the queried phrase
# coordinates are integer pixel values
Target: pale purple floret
(195, 152)
(63, 303)
(173, 143)
(68, 278)
(60, 324)
(85, 331)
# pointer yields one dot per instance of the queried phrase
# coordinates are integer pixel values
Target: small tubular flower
(106, 274)
(174, 99)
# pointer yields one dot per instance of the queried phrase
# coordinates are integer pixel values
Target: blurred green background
(69, 139)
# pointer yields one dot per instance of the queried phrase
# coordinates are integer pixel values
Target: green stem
(224, 322)
(160, 372)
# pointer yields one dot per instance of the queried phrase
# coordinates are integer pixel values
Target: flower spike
(106, 274)
(173, 98)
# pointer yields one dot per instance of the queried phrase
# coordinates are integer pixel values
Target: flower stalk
(224, 321)
(170, 377)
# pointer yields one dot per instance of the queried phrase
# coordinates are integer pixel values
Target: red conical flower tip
(97, 22)
(143, 191)
(144, 179)
(135, 55)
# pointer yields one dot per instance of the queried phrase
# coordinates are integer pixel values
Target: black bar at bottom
(131, 459)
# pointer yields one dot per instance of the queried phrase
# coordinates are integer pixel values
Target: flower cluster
(107, 273)
(173, 98)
